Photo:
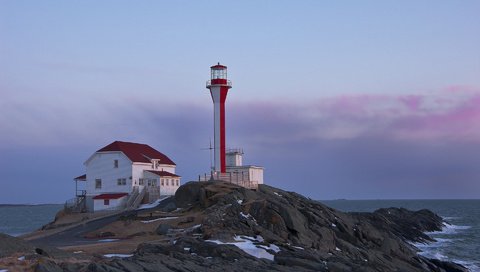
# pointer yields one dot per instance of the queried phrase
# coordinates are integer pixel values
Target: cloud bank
(362, 146)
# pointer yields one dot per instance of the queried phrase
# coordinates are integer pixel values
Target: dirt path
(74, 236)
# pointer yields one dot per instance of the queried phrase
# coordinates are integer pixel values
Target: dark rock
(448, 266)
(10, 245)
(105, 234)
(42, 252)
(45, 265)
(188, 194)
(162, 229)
(309, 235)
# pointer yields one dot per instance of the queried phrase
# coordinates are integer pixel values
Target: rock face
(293, 232)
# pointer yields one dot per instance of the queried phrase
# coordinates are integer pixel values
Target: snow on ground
(277, 194)
(297, 247)
(21, 258)
(107, 240)
(158, 219)
(3, 270)
(118, 255)
(333, 225)
(152, 205)
(240, 201)
(248, 216)
(246, 244)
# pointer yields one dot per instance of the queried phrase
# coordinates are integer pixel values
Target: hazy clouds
(362, 146)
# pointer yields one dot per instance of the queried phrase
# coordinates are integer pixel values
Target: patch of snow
(240, 201)
(22, 258)
(277, 194)
(248, 216)
(193, 253)
(297, 247)
(337, 249)
(246, 243)
(194, 227)
(208, 257)
(272, 247)
(186, 248)
(118, 255)
(153, 204)
(3, 270)
(77, 252)
(333, 225)
(107, 240)
(159, 219)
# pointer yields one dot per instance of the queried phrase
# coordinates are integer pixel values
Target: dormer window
(155, 164)
(115, 164)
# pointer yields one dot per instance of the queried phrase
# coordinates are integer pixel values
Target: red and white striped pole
(219, 85)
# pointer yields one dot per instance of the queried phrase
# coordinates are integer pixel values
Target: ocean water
(18, 220)
(459, 241)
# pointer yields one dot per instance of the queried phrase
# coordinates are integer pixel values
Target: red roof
(110, 196)
(218, 66)
(82, 177)
(163, 173)
(137, 152)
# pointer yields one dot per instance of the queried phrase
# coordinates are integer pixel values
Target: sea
(459, 241)
(16, 220)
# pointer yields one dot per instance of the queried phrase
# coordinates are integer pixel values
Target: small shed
(109, 201)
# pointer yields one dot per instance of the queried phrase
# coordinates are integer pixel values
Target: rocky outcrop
(293, 232)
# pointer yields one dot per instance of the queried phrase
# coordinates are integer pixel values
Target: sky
(336, 99)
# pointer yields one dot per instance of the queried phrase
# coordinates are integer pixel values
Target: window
(98, 183)
(106, 202)
(163, 183)
(177, 182)
(121, 181)
(152, 182)
(115, 163)
(140, 181)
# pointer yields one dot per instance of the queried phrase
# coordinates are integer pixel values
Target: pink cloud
(443, 115)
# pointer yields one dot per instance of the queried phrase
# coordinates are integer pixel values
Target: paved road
(75, 235)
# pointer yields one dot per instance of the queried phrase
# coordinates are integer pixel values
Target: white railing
(238, 178)
(228, 84)
(76, 204)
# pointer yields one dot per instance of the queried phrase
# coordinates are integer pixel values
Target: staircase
(135, 198)
(75, 205)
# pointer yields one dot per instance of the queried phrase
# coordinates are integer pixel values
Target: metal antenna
(211, 154)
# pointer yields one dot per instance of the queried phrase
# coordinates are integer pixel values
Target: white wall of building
(139, 168)
(102, 166)
(98, 204)
(169, 186)
(234, 159)
(255, 173)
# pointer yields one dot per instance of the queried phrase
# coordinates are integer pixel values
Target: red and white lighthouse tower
(218, 86)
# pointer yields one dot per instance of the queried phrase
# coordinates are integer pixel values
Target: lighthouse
(219, 86)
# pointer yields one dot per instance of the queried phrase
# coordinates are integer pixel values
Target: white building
(124, 174)
(238, 171)
(248, 176)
